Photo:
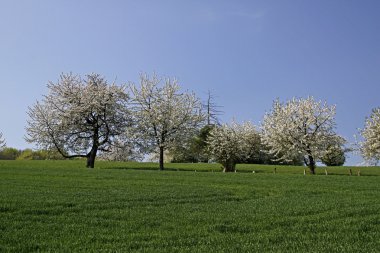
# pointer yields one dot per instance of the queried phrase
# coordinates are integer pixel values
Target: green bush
(335, 156)
(29, 154)
(9, 153)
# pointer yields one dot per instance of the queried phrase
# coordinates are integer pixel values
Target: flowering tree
(124, 148)
(370, 146)
(79, 117)
(2, 141)
(164, 115)
(229, 144)
(301, 126)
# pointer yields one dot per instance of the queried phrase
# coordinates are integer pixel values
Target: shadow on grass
(244, 168)
(143, 167)
(147, 168)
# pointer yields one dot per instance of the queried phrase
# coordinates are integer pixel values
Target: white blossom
(164, 114)
(230, 143)
(124, 148)
(79, 117)
(300, 127)
(370, 146)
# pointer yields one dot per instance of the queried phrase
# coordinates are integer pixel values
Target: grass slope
(59, 206)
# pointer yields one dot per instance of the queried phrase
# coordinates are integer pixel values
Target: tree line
(9, 153)
(89, 117)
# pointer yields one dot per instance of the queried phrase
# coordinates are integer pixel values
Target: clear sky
(247, 53)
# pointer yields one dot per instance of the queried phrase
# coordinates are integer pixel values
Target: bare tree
(164, 114)
(79, 117)
(300, 127)
(212, 110)
(2, 141)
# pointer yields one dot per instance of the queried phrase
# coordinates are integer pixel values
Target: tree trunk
(229, 166)
(94, 149)
(161, 161)
(91, 157)
(311, 164)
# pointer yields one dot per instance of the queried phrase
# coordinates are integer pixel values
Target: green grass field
(60, 206)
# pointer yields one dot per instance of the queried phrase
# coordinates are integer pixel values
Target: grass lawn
(60, 206)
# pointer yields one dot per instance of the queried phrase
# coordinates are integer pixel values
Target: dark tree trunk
(309, 161)
(311, 164)
(229, 166)
(161, 161)
(91, 157)
(95, 145)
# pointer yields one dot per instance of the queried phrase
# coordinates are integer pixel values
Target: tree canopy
(370, 146)
(300, 127)
(79, 117)
(164, 114)
(230, 143)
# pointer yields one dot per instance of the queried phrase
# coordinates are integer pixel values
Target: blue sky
(247, 53)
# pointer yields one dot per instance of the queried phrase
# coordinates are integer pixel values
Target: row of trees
(298, 129)
(198, 147)
(85, 117)
(9, 153)
(298, 132)
(80, 117)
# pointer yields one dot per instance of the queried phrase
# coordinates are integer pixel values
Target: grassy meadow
(60, 206)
